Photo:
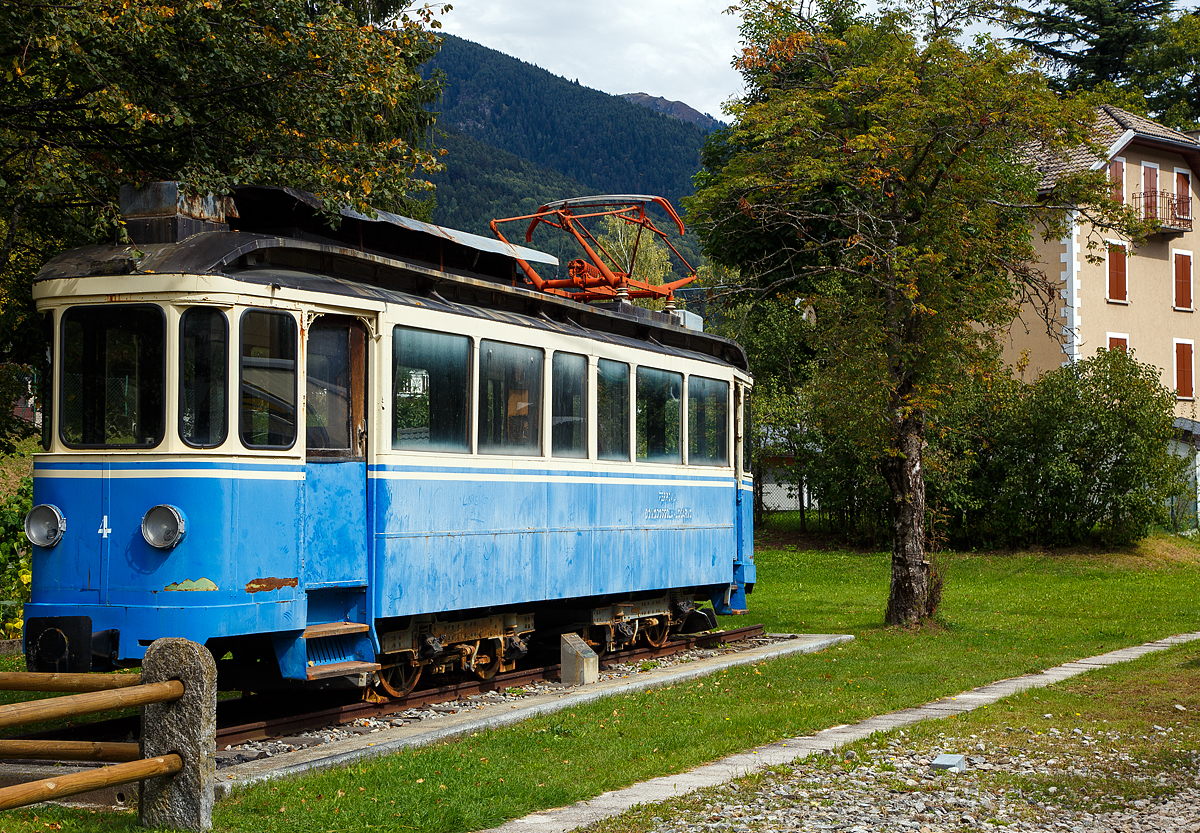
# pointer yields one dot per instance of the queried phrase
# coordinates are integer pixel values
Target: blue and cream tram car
(345, 456)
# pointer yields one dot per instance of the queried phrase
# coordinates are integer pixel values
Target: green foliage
(100, 94)
(14, 558)
(876, 169)
(1089, 41)
(1084, 454)
(1083, 449)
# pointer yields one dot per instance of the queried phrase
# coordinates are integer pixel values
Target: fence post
(187, 727)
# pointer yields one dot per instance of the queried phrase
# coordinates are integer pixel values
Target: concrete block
(580, 665)
(949, 763)
(187, 727)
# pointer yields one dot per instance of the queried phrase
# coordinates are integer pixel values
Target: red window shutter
(1150, 191)
(1183, 370)
(1183, 281)
(1116, 175)
(1116, 273)
(1115, 343)
(1183, 195)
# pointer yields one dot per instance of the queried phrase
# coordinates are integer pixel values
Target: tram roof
(274, 240)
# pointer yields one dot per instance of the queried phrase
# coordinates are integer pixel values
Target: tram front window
(114, 372)
(268, 380)
(203, 376)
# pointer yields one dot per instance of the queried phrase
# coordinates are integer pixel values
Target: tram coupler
(67, 644)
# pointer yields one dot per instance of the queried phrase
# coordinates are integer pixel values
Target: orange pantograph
(604, 277)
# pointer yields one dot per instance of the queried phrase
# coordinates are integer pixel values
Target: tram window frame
(643, 405)
(46, 382)
(571, 427)
(465, 394)
(487, 441)
(224, 381)
(747, 438)
(243, 430)
(612, 423)
(319, 445)
(108, 313)
(696, 408)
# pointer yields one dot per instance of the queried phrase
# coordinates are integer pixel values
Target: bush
(1083, 452)
(14, 559)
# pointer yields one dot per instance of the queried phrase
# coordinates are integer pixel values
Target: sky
(678, 49)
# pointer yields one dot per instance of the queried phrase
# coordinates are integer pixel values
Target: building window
(1117, 288)
(1183, 281)
(1183, 369)
(1118, 341)
(1183, 195)
(1150, 191)
(1116, 175)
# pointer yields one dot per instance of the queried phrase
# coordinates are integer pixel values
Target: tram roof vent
(163, 212)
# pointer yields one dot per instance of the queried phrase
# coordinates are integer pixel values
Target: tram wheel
(488, 650)
(400, 679)
(656, 634)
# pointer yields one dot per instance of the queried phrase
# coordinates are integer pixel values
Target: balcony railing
(1174, 213)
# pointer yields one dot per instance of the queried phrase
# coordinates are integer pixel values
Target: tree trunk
(908, 599)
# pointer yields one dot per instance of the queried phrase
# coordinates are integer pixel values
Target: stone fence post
(187, 727)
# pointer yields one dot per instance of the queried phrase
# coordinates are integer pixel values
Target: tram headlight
(45, 525)
(164, 526)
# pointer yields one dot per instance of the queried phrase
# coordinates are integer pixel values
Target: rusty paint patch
(258, 585)
(189, 584)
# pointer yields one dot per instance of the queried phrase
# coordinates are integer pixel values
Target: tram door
(336, 526)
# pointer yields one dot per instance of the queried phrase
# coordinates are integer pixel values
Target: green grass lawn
(1001, 615)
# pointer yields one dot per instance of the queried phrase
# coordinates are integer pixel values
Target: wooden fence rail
(177, 694)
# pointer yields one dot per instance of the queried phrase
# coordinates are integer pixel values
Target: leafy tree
(1089, 41)
(880, 172)
(1167, 71)
(211, 92)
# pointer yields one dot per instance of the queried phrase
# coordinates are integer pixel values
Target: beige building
(1139, 298)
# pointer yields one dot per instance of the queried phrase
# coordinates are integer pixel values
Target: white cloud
(679, 49)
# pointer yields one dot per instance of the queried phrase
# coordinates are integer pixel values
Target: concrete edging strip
(667, 787)
(383, 743)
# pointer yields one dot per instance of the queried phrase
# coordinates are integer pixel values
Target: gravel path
(894, 789)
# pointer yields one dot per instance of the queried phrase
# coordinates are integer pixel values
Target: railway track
(259, 716)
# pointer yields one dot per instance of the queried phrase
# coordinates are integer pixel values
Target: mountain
(601, 141)
(675, 109)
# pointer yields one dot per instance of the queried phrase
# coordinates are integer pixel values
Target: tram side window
(747, 446)
(114, 373)
(510, 394)
(569, 394)
(268, 379)
(203, 376)
(430, 373)
(328, 392)
(658, 416)
(708, 422)
(612, 406)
